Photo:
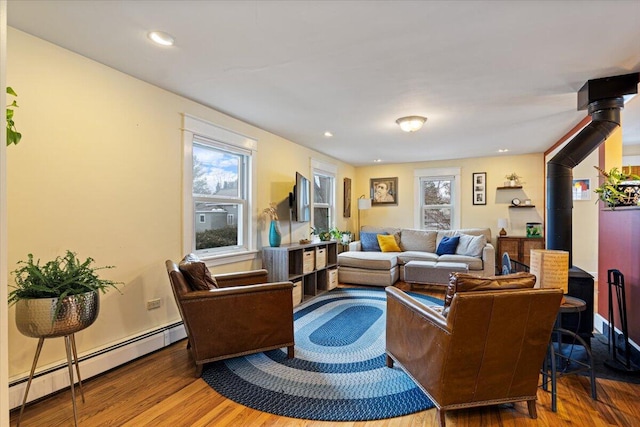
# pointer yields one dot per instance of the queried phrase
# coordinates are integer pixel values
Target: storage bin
(332, 278)
(321, 258)
(308, 261)
(297, 293)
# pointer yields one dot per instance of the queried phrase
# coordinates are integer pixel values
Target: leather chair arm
(427, 313)
(252, 277)
(236, 290)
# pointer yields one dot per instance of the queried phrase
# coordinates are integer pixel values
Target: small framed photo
(479, 188)
(582, 189)
(384, 191)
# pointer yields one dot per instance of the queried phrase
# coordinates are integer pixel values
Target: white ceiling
(487, 74)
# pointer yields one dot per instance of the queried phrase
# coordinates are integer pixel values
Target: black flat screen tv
(301, 199)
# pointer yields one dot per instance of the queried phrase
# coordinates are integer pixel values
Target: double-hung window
(439, 200)
(324, 178)
(217, 186)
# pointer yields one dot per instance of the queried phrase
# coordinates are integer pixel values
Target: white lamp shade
(503, 223)
(364, 204)
(551, 268)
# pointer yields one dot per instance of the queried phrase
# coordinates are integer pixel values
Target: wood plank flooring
(160, 390)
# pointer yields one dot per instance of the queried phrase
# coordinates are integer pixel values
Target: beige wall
(584, 244)
(530, 167)
(98, 172)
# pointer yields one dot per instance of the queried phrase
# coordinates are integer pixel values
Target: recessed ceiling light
(377, 160)
(161, 38)
(503, 150)
(328, 134)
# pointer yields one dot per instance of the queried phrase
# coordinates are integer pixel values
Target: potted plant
(513, 180)
(618, 188)
(13, 136)
(57, 298)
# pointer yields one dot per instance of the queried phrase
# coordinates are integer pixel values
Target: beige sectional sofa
(474, 250)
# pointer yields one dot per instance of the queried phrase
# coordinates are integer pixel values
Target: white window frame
(319, 167)
(438, 173)
(194, 127)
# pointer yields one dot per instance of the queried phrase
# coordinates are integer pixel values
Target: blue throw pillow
(369, 242)
(448, 245)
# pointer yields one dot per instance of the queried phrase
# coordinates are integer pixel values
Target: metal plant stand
(41, 318)
(616, 281)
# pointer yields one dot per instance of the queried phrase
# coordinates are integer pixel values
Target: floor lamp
(363, 204)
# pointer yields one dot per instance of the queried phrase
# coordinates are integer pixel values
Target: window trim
(438, 173)
(193, 127)
(319, 167)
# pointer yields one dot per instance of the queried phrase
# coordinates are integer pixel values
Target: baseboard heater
(55, 377)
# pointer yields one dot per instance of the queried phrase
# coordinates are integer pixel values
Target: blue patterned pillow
(369, 242)
(448, 245)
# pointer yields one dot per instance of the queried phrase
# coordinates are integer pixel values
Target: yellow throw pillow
(388, 243)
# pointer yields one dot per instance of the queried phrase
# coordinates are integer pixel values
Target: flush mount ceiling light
(411, 123)
(328, 134)
(161, 38)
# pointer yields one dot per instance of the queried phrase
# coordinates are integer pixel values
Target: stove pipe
(603, 99)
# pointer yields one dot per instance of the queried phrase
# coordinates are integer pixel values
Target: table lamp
(502, 224)
(551, 268)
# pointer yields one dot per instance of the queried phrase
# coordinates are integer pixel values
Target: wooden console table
(518, 248)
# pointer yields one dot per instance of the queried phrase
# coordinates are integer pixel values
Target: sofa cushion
(471, 245)
(368, 260)
(448, 245)
(196, 273)
(418, 240)
(370, 242)
(388, 243)
(405, 257)
(486, 232)
(474, 263)
(464, 282)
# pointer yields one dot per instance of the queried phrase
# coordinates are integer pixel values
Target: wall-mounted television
(300, 199)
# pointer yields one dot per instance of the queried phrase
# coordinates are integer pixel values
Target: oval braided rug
(339, 371)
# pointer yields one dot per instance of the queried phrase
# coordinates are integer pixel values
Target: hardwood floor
(160, 390)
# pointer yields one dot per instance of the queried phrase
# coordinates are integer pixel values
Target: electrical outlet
(153, 303)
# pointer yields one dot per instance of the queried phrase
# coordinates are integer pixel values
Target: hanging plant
(618, 188)
(13, 136)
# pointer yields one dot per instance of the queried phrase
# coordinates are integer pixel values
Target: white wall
(530, 167)
(98, 172)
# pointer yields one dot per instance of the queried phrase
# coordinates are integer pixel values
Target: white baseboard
(598, 320)
(56, 377)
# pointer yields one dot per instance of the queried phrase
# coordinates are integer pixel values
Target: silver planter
(37, 317)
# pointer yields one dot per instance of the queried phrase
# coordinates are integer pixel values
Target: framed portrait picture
(581, 189)
(479, 188)
(384, 191)
(347, 198)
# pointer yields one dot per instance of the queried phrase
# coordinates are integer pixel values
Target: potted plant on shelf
(57, 298)
(513, 180)
(618, 188)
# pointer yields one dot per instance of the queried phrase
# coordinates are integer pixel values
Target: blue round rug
(338, 372)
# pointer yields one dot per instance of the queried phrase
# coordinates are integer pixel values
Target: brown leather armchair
(243, 315)
(487, 350)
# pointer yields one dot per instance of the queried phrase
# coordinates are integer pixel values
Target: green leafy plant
(13, 136)
(610, 191)
(58, 278)
(514, 177)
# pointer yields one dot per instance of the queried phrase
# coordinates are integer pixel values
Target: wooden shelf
(309, 264)
(523, 206)
(515, 187)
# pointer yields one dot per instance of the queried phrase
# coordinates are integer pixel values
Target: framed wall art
(479, 188)
(384, 191)
(581, 189)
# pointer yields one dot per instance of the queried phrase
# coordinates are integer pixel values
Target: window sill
(229, 258)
